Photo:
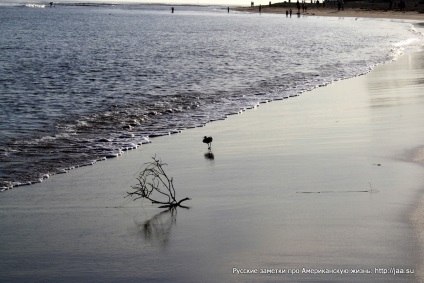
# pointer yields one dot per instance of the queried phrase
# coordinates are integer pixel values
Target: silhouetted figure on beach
(260, 8)
(208, 141)
(291, 12)
(298, 6)
(287, 13)
(172, 10)
(228, 9)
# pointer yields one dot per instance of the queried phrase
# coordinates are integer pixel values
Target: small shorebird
(208, 140)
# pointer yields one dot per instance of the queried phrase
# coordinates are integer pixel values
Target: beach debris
(326, 192)
(208, 141)
(156, 186)
(371, 190)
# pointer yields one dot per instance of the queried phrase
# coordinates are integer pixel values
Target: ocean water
(79, 84)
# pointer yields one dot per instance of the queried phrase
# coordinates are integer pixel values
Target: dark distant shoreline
(414, 9)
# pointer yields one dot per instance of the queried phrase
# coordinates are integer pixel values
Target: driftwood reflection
(158, 228)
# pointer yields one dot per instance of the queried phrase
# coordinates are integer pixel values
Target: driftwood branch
(155, 186)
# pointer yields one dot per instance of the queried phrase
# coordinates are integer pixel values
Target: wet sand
(320, 187)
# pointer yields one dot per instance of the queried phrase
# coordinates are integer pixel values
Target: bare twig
(155, 185)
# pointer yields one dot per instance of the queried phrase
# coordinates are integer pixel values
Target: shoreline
(333, 12)
(284, 190)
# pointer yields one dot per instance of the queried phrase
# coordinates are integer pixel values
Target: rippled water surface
(80, 84)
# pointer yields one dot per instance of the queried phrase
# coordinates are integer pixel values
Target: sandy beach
(322, 187)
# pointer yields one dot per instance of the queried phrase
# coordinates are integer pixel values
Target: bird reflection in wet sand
(209, 155)
(158, 228)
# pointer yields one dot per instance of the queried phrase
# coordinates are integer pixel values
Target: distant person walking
(172, 10)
